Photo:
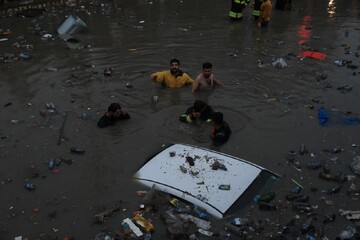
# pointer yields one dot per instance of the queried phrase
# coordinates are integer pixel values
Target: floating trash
(72, 25)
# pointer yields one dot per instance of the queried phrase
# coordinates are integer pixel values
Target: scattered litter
(350, 215)
(25, 56)
(133, 227)
(100, 217)
(313, 55)
(355, 165)
(279, 63)
(72, 25)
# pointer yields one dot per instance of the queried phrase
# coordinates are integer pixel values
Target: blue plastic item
(352, 119)
(147, 236)
(323, 116)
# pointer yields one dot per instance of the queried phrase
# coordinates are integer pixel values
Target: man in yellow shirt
(265, 13)
(173, 78)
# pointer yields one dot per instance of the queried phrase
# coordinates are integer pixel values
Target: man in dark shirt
(199, 110)
(114, 113)
(221, 130)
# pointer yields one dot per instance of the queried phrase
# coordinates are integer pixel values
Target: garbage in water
(313, 55)
(349, 214)
(29, 186)
(348, 233)
(279, 63)
(25, 56)
(71, 25)
(77, 150)
(336, 116)
(132, 227)
(355, 165)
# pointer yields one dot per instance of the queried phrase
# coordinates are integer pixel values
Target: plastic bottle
(309, 237)
(147, 236)
(306, 226)
(77, 150)
(29, 186)
(302, 149)
(267, 197)
(323, 116)
(126, 228)
(240, 221)
(297, 189)
(348, 233)
(337, 150)
(201, 213)
(107, 237)
(339, 62)
(51, 164)
(329, 218)
(185, 209)
(334, 190)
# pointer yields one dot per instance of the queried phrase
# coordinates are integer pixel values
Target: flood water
(266, 107)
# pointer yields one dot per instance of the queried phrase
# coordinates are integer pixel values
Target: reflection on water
(305, 30)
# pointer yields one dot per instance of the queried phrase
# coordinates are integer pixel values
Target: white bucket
(72, 25)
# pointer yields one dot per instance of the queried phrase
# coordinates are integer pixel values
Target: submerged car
(214, 181)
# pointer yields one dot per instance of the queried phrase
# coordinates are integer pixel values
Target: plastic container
(72, 25)
(147, 236)
(77, 150)
(29, 186)
(126, 228)
(25, 56)
(201, 213)
(51, 164)
(240, 221)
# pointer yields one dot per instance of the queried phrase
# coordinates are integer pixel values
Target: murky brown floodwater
(266, 107)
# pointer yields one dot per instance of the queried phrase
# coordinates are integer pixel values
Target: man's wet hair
(113, 107)
(217, 118)
(175, 60)
(207, 65)
(198, 105)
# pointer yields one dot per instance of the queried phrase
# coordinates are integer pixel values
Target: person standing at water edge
(237, 6)
(206, 80)
(200, 110)
(221, 130)
(265, 13)
(114, 113)
(174, 77)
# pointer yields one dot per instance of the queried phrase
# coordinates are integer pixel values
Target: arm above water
(188, 79)
(158, 77)
(217, 82)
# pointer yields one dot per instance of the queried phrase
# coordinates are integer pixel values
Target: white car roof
(200, 183)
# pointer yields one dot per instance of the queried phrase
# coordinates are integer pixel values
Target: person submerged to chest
(173, 78)
(206, 83)
(114, 114)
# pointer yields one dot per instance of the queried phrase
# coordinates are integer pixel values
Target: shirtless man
(206, 80)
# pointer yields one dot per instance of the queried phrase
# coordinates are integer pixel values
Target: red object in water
(6, 33)
(314, 55)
